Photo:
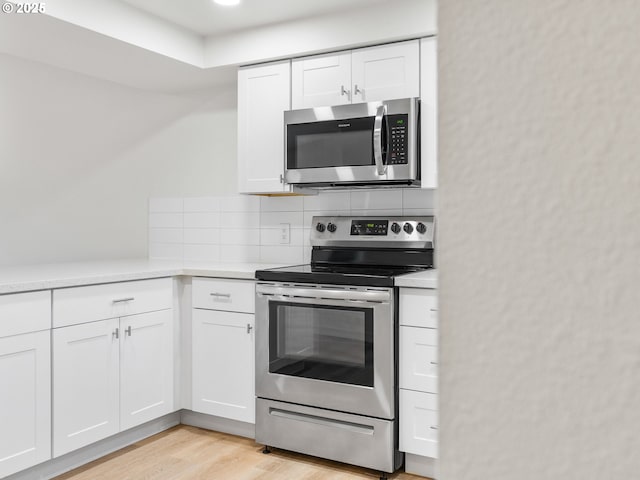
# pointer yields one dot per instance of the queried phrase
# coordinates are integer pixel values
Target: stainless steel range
(327, 336)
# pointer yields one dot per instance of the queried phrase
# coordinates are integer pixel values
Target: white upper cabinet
(263, 96)
(386, 72)
(368, 74)
(429, 112)
(321, 80)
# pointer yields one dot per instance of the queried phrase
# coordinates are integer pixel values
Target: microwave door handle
(381, 168)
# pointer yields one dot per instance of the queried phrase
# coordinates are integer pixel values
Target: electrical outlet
(285, 231)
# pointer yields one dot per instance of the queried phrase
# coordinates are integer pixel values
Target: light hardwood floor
(189, 453)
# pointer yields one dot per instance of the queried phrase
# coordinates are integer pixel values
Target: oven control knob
(395, 228)
(331, 227)
(408, 228)
(320, 227)
(421, 227)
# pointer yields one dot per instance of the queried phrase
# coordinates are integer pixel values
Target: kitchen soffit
(157, 45)
(205, 18)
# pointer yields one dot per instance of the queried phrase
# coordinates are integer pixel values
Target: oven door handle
(321, 293)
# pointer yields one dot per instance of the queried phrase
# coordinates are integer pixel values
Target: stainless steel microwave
(363, 144)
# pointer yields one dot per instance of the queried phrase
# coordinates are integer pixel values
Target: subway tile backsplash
(244, 228)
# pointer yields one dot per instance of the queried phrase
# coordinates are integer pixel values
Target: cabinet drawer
(419, 307)
(25, 312)
(419, 423)
(224, 294)
(419, 359)
(72, 306)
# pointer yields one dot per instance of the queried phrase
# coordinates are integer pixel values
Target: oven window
(322, 342)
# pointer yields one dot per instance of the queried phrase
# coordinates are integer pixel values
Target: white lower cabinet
(223, 364)
(146, 367)
(111, 375)
(419, 359)
(25, 401)
(223, 382)
(419, 423)
(85, 384)
(419, 376)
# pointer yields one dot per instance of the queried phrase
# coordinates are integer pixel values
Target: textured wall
(539, 234)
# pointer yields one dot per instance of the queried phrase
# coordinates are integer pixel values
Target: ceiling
(192, 46)
(206, 18)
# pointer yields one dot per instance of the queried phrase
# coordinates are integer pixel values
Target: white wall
(539, 234)
(79, 158)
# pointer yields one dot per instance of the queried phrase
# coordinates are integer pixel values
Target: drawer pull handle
(433, 363)
(116, 333)
(249, 328)
(433, 427)
(222, 295)
(121, 300)
(433, 309)
(128, 331)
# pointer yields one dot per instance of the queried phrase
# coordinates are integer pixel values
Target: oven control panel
(369, 227)
(390, 232)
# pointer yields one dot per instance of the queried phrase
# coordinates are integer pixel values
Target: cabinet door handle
(116, 333)
(433, 309)
(356, 90)
(128, 331)
(249, 328)
(222, 295)
(344, 91)
(433, 363)
(120, 300)
(433, 427)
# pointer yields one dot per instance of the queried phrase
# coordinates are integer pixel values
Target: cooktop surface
(336, 274)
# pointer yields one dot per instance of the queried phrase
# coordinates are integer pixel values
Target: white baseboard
(59, 465)
(419, 465)
(218, 424)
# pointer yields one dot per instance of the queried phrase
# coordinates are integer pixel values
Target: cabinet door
(25, 401)
(85, 384)
(321, 80)
(146, 367)
(429, 112)
(419, 359)
(263, 96)
(419, 423)
(386, 72)
(419, 307)
(223, 364)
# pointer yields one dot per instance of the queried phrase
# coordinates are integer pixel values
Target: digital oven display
(369, 227)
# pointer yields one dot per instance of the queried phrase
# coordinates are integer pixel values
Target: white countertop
(424, 279)
(60, 275)
(44, 277)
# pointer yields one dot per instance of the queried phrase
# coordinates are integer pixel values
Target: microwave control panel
(398, 139)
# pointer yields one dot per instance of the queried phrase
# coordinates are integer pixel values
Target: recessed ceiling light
(227, 2)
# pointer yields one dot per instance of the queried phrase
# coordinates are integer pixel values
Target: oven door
(329, 347)
(373, 142)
